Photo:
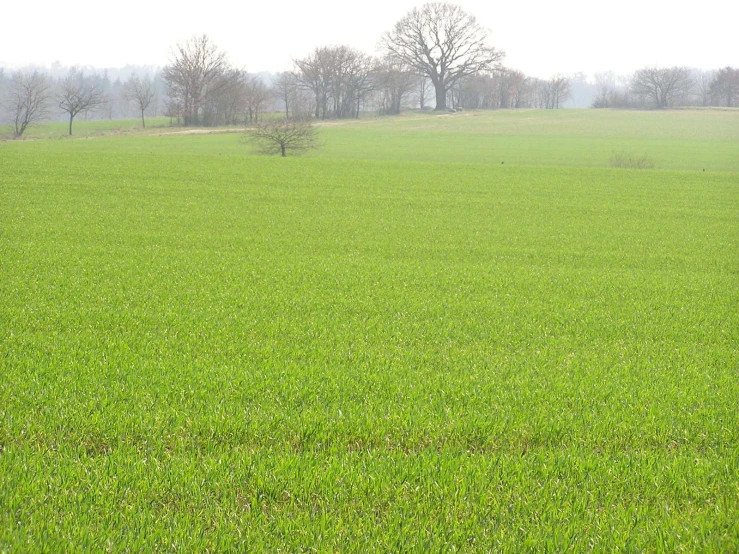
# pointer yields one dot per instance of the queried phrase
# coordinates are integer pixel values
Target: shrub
(632, 161)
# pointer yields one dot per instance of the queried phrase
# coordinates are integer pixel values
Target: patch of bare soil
(202, 131)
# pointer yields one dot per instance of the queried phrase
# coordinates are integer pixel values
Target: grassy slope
(209, 351)
(690, 140)
(687, 140)
(91, 129)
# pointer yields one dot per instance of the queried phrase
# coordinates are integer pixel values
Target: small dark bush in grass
(632, 161)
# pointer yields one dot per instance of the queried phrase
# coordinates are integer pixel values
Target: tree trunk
(71, 117)
(282, 148)
(143, 122)
(440, 97)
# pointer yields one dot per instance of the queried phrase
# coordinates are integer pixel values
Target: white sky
(540, 37)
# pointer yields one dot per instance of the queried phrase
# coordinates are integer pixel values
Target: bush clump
(632, 161)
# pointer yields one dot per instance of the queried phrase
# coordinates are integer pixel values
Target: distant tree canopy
(725, 86)
(339, 77)
(203, 88)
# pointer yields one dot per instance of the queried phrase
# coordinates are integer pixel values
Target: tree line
(436, 57)
(668, 87)
(32, 96)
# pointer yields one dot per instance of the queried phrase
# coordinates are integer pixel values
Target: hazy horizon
(563, 39)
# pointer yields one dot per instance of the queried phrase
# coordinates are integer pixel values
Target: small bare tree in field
(141, 92)
(27, 100)
(283, 135)
(78, 93)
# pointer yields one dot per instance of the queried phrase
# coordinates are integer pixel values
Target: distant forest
(415, 68)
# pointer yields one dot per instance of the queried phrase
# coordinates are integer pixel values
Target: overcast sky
(540, 37)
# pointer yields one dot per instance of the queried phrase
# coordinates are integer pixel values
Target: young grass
(206, 351)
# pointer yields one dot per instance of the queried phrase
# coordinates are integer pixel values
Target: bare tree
(605, 85)
(559, 87)
(229, 99)
(194, 75)
(482, 91)
(285, 90)
(173, 109)
(661, 85)
(445, 43)
(339, 77)
(358, 80)
(703, 80)
(542, 94)
(27, 99)
(314, 74)
(423, 91)
(397, 81)
(141, 92)
(79, 93)
(283, 135)
(257, 97)
(725, 86)
(520, 89)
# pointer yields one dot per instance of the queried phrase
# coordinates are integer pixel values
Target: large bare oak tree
(445, 43)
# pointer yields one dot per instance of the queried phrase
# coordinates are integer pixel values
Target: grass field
(82, 128)
(690, 140)
(397, 344)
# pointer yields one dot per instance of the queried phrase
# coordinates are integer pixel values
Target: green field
(395, 344)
